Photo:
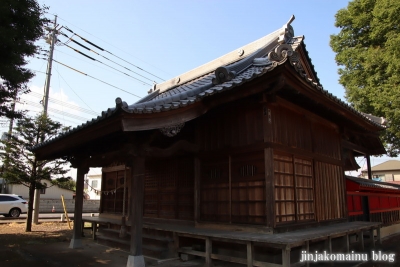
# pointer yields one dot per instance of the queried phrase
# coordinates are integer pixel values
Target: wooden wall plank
(269, 187)
(197, 191)
(169, 190)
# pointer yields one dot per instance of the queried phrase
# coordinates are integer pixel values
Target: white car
(12, 205)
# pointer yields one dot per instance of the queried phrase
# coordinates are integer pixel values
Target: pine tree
(21, 24)
(367, 51)
(21, 165)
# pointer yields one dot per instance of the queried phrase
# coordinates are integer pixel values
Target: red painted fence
(373, 201)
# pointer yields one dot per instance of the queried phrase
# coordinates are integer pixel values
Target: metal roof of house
(222, 74)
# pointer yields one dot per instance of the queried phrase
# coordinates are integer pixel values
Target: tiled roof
(373, 184)
(222, 74)
(389, 165)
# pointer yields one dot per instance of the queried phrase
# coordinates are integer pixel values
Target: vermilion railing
(377, 207)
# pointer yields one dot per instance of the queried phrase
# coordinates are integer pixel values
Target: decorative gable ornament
(173, 130)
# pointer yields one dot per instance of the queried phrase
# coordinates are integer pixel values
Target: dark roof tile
(198, 83)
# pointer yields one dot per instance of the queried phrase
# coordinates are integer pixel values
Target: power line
(96, 78)
(113, 46)
(74, 91)
(68, 105)
(53, 116)
(64, 113)
(76, 50)
(102, 49)
(91, 50)
(37, 71)
(96, 65)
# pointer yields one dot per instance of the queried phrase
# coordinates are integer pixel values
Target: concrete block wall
(89, 206)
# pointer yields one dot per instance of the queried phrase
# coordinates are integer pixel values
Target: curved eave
(319, 94)
(104, 115)
(72, 140)
(155, 112)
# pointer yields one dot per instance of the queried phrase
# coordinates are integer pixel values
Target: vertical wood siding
(214, 191)
(169, 189)
(231, 127)
(330, 191)
(326, 141)
(304, 188)
(290, 128)
(239, 199)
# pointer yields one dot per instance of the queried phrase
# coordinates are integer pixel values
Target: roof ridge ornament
(120, 104)
(223, 74)
(379, 120)
(286, 32)
(281, 53)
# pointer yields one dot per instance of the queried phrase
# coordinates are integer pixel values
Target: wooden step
(145, 236)
(114, 242)
(158, 238)
(127, 242)
(113, 239)
(153, 246)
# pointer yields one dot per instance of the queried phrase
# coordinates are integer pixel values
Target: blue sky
(166, 39)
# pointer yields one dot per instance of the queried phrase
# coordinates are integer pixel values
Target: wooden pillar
(269, 187)
(361, 239)
(307, 250)
(137, 165)
(347, 243)
(250, 254)
(76, 241)
(286, 257)
(197, 174)
(208, 252)
(369, 167)
(176, 244)
(379, 235)
(94, 230)
(371, 232)
(329, 244)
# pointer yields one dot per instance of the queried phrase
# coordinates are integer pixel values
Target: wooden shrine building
(249, 143)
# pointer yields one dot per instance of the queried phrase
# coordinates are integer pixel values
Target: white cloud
(60, 108)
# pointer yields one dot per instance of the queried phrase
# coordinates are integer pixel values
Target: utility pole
(10, 128)
(51, 40)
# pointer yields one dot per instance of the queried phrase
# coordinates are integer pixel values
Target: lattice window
(248, 189)
(294, 189)
(214, 192)
(214, 174)
(248, 170)
(284, 188)
(304, 189)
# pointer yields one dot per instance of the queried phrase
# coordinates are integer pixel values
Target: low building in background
(50, 192)
(388, 171)
(93, 186)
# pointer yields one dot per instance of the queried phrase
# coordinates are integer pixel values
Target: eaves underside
(203, 87)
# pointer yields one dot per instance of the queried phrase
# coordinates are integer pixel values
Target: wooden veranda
(285, 242)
